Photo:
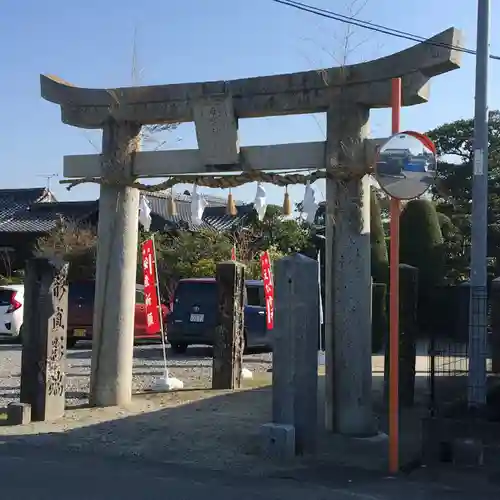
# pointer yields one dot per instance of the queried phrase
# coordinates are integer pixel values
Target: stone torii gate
(346, 94)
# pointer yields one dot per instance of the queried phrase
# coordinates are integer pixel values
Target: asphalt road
(405, 188)
(28, 473)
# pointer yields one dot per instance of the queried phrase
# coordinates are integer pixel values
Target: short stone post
(295, 353)
(228, 341)
(408, 329)
(408, 292)
(44, 338)
(18, 414)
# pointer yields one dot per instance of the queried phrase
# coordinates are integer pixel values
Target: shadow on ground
(219, 432)
(10, 346)
(207, 429)
(187, 427)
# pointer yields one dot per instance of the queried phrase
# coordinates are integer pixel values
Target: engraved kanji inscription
(58, 319)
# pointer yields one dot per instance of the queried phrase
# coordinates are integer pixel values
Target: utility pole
(478, 309)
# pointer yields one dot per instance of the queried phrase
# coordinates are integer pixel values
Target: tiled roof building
(214, 216)
(27, 214)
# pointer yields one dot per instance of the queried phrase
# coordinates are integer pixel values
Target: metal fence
(449, 350)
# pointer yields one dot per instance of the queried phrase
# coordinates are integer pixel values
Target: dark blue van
(193, 316)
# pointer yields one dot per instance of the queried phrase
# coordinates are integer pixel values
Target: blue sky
(90, 44)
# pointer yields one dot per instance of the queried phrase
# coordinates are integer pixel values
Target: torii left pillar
(113, 330)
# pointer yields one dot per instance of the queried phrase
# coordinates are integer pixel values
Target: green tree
(286, 235)
(453, 189)
(186, 255)
(456, 257)
(196, 254)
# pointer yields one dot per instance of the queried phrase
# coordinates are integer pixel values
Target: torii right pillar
(348, 294)
(348, 377)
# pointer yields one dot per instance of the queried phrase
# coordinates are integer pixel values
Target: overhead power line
(378, 28)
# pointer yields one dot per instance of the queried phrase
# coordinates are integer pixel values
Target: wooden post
(229, 336)
(44, 338)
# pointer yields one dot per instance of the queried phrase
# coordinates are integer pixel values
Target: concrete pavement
(33, 474)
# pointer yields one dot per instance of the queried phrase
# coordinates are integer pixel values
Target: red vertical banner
(150, 295)
(267, 278)
(233, 252)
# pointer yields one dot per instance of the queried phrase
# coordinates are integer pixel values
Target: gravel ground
(194, 369)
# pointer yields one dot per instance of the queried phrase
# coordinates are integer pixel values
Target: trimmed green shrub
(422, 246)
(379, 255)
(380, 322)
(421, 242)
(408, 296)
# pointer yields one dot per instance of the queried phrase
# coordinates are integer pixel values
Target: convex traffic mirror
(406, 165)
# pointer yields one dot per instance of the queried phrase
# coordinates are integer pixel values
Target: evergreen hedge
(379, 254)
(422, 246)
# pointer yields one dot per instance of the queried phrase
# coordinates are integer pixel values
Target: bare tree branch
(74, 243)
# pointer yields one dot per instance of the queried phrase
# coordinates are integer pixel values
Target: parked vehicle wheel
(179, 348)
(19, 338)
(70, 343)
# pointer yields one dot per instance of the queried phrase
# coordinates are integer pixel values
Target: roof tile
(42, 217)
(35, 210)
(14, 203)
(214, 217)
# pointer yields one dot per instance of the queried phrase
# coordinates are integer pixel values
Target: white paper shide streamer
(260, 204)
(144, 213)
(198, 204)
(309, 205)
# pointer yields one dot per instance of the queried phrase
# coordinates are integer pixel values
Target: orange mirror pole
(394, 301)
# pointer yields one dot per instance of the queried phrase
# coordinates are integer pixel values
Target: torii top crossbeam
(297, 93)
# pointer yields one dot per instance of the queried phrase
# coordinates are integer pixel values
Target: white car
(11, 310)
